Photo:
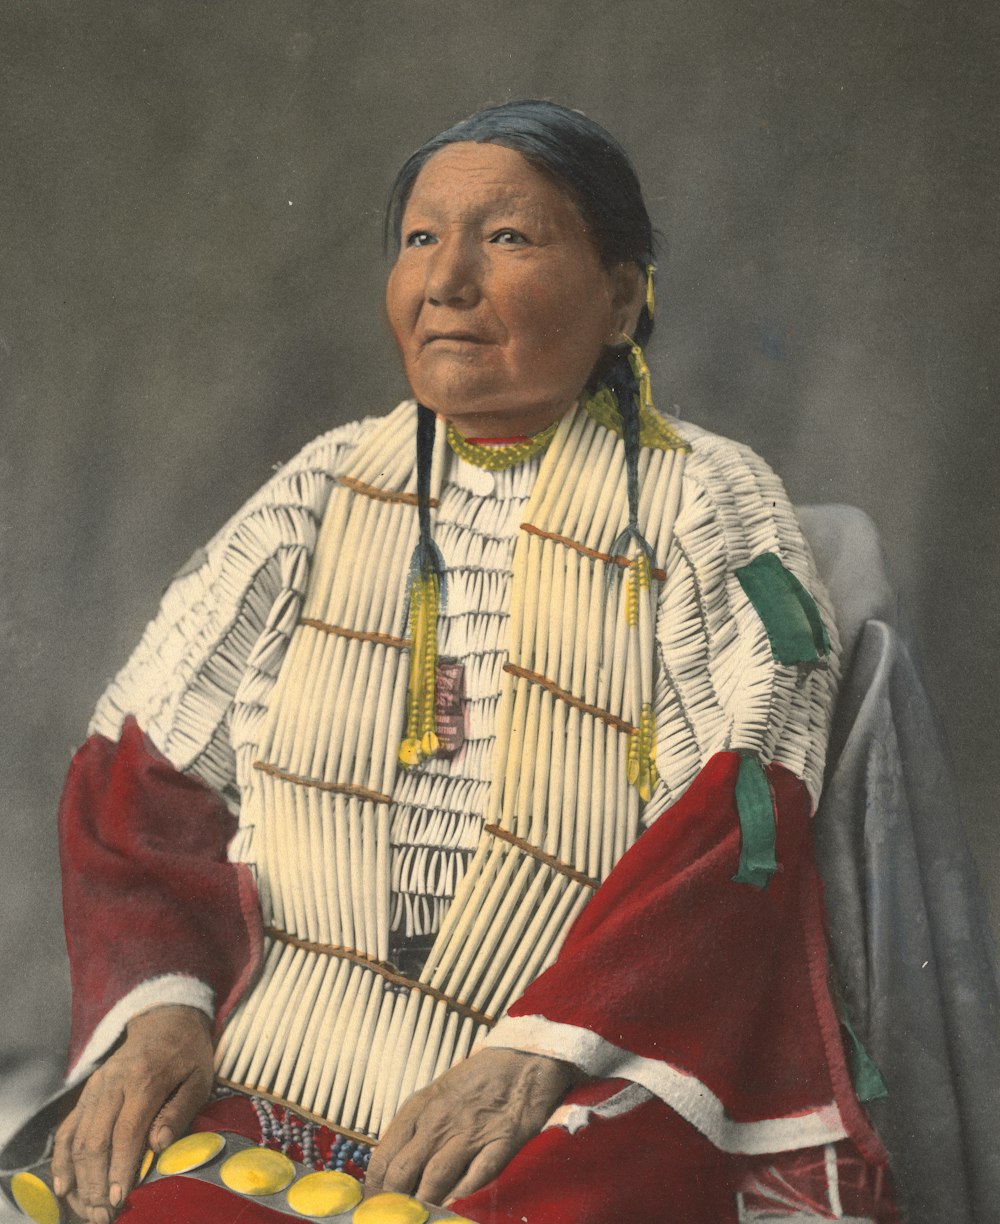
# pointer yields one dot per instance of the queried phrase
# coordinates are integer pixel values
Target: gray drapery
(910, 939)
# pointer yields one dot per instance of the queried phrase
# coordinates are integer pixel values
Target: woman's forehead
(481, 177)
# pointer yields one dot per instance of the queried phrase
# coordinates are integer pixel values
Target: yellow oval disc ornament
(257, 1171)
(34, 1198)
(391, 1208)
(325, 1193)
(189, 1153)
(146, 1165)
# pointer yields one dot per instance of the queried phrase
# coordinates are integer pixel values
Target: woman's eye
(508, 237)
(419, 238)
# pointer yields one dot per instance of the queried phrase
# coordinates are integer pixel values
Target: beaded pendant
(421, 735)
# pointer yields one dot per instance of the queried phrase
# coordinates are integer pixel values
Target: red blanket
(147, 888)
(711, 994)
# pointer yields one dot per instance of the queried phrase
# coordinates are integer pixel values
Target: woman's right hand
(144, 1095)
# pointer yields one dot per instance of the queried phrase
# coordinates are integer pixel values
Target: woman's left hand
(459, 1132)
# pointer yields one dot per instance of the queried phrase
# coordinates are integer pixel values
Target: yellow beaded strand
(421, 739)
(640, 762)
(648, 775)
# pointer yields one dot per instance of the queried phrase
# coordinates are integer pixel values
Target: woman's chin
(489, 418)
(465, 400)
(488, 408)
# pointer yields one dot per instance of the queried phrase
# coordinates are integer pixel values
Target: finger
(77, 1211)
(490, 1162)
(178, 1111)
(398, 1135)
(404, 1170)
(63, 1179)
(91, 1146)
(445, 1168)
(128, 1142)
(407, 1166)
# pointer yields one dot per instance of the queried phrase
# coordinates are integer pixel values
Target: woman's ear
(628, 296)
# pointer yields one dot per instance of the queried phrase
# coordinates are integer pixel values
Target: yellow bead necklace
(498, 458)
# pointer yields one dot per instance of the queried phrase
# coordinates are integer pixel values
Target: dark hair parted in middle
(583, 158)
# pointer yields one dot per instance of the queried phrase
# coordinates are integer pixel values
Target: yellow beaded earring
(640, 369)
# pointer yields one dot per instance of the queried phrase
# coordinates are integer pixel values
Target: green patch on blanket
(788, 612)
(755, 805)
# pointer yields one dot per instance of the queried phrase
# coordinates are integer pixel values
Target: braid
(621, 381)
(426, 557)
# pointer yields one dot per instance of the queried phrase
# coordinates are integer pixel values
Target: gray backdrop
(192, 279)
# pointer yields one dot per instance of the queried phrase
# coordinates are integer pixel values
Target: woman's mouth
(455, 337)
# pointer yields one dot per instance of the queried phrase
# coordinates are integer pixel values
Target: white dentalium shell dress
(406, 910)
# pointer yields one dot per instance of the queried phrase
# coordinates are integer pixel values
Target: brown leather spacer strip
(548, 859)
(256, 1090)
(383, 970)
(337, 788)
(623, 562)
(341, 950)
(619, 724)
(358, 635)
(408, 499)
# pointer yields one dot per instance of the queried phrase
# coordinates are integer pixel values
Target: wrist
(572, 1073)
(173, 1014)
(558, 1074)
(566, 1074)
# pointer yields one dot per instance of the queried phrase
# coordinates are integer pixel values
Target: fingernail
(163, 1138)
(58, 1187)
(115, 1194)
(100, 1215)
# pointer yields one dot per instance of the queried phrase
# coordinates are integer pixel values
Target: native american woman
(463, 782)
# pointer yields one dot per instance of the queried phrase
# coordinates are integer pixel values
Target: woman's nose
(453, 274)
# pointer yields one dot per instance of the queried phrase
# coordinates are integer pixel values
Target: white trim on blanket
(575, 1117)
(683, 1092)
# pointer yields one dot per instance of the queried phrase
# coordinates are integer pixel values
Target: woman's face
(498, 299)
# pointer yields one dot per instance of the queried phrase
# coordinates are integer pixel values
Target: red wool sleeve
(147, 887)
